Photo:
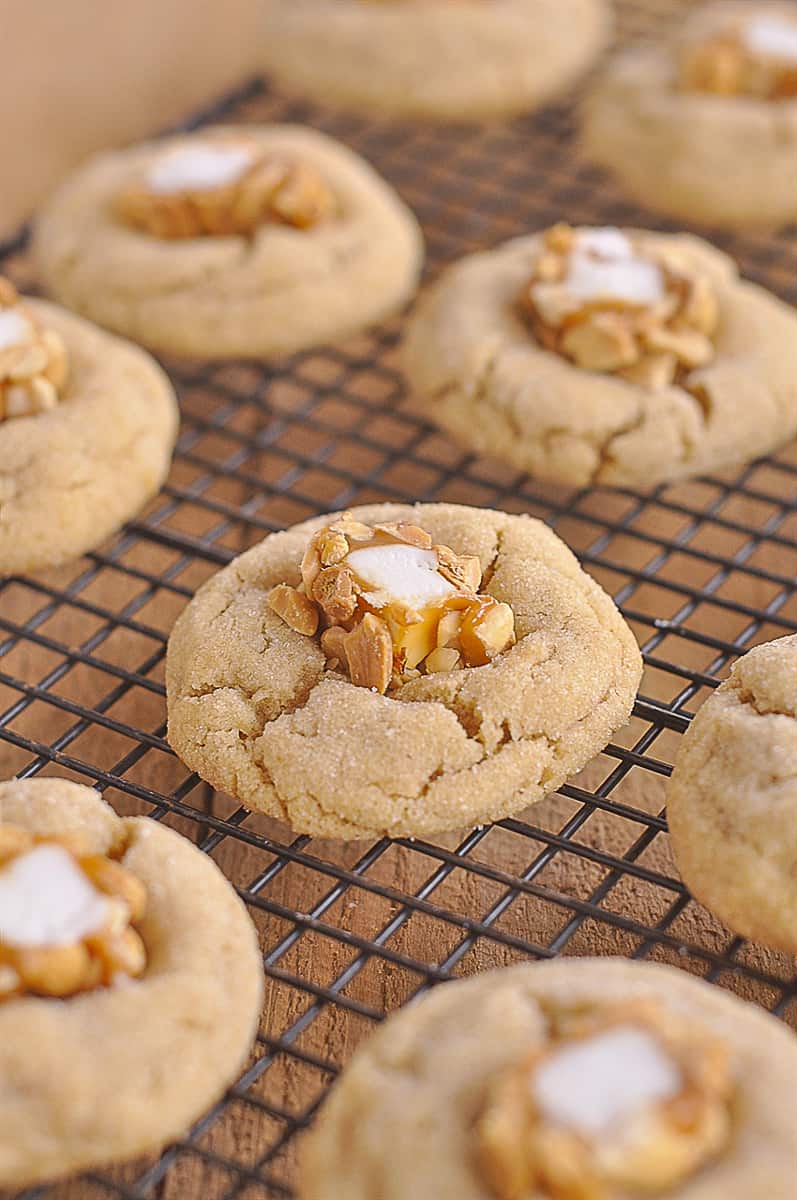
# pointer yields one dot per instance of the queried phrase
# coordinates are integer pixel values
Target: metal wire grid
(703, 571)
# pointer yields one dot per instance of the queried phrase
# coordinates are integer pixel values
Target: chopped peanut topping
(608, 304)
(754, 56)
(391, 605)
(223, 187)
(66, 917)
(33, 360)
(623, 1097)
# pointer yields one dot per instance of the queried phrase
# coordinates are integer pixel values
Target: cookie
(605, 356)
(588, 1077)
(732, 799)
(130, 983)
(676, 121)
(231, 242)
(87, 428)
(445, 59)
(456, 668)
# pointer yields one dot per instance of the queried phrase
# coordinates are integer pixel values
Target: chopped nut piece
(603, 343)
(449, 628)
(296, 609)
(332, 643)
(223, 187)
(465, 570)
(336, 591)
(369, 653)
(487, 631)
(618, 307)
(67, 923)
(33, 360)
(443, 659)
(355, 531)
(333, 548)
(412, 535)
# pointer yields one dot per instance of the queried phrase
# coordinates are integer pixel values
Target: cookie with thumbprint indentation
(577, 1078)
(446, 59)
(399, 670)
(703, 126)
(236, 241)
(88, 423)
(605, 356)
(130, 983)
(732, 799)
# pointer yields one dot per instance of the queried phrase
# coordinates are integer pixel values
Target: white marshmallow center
(772, 36)
(603, 266)
(46, 900)
(405, 573)
(14, 328)
(599, 1083)
(198, 167)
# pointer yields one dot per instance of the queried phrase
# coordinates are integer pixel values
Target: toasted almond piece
(444, 658)
(296, 610)
(487, 630)
(700, 309)
(652, 371)
(122, 955)
(333, 548)
(114, 880)
(690, 347)
(355, 531)
(311, 564)
(553, 303)
(332, 643)
(336, 591)
(604, 342)
(32, 361)
(560, 238)
(13, 841)
(403, 531)
(448, 628)
(463, 570)
(369, 653)
(57, 369)
(53, 970)
(549, 268)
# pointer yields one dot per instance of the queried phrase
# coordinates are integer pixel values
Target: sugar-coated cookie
(447, 59)
(87, 428)
(732, 799)
(577, 1078)
(608, 356)
(233, 241)
(398, 670)
(704, 127)
(130, 983)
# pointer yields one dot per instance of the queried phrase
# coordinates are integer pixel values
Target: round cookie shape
(276, 290)
(255, 710)
(675, 149)
(473, 360)
(72, 475)
(415, 1092)
(120, 1071)
(732, 799)
(444, 59)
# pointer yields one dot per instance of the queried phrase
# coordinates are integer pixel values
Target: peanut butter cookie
(398, 670)
(606, 356)
(732, 800)
(130, 983)
(232, 242)
(589, 1078)
(704, 127)
(445, 59)
(87, 428)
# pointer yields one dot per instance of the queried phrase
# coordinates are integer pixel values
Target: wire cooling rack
(702, 571)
